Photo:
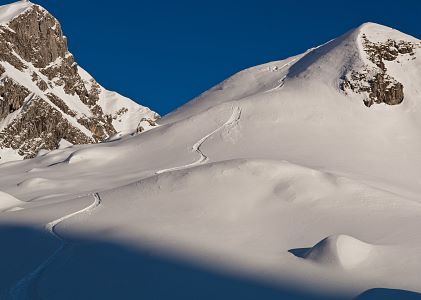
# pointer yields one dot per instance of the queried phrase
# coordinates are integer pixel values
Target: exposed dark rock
(40, 83)
(385, 90)
(100, 127)
(143, 121)
(121, 111)
(34, 39)
(12, 96)
(389, 50)
(61, 105)
(379, 86)
(37, 30)
(40, 127)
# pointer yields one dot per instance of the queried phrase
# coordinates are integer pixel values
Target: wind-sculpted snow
(8, 201)
(279, 174)
(341, 250)
(210, 212)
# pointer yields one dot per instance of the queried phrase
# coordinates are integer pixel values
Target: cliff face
(45, 96)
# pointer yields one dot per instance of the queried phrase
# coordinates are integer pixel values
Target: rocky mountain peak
(382, 49)
(38, 37)
(46, 97)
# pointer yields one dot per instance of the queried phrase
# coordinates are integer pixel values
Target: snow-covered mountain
(47, 100)
(297, 179)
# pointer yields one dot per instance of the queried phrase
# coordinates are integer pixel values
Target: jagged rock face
(12, 95)
(38, 30)
(374, 81)
(61, 101)
(389, 50)
(40, 127)
(378, 86)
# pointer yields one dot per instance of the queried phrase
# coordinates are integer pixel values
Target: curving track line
(235, 116)
(23, 288)
(281, 81)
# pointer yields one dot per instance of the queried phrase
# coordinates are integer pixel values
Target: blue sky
(162, 53)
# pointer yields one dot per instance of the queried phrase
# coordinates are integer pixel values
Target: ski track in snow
(282, 80)
(281, 84)
(235, 116)
(22, 289)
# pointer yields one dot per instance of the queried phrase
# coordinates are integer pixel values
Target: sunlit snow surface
(272, 185)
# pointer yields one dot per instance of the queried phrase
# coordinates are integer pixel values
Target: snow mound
(341, 250)
(34, 182)
(97, 155)
(8, 201)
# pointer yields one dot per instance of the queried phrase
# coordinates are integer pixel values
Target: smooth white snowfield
(272, 185)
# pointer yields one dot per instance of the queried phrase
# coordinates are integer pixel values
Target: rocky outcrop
(375, 82)
(378, 86)
(61, 101)
(12, 96)
(37, 30)
(389, 50)
(40, 127)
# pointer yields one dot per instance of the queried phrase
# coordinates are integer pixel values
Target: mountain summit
(303, 174)
(372, 63)
(46, 99)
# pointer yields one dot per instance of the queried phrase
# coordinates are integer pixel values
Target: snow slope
(8, 202)
(275, 184)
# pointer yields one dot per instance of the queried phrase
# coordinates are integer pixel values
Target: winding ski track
(281, 81)
(235, 116)
(23, 289)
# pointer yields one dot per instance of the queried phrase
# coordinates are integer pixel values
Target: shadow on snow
(89, 268)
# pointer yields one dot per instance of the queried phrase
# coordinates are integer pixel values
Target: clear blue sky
(162, 53)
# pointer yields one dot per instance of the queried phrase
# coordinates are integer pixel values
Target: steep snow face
(46, 97)
(265, 165)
